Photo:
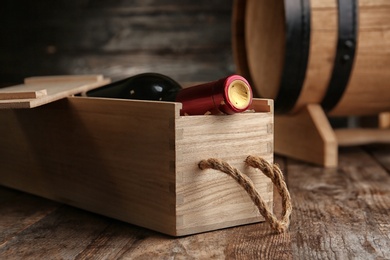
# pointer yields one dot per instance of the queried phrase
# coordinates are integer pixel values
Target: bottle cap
(237, 95)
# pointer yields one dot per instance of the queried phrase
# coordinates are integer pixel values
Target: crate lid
(37, 91)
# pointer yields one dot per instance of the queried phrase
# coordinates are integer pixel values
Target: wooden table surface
(340, 213)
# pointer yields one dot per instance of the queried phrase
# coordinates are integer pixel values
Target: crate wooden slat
(38, 91)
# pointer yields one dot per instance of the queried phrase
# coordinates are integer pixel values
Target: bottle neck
(228, 95)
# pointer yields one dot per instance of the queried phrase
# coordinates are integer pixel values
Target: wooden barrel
(331, 52)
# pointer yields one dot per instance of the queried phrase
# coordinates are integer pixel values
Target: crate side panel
(111, 157)
(208, 200)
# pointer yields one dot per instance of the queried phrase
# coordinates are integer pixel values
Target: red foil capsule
(228, 95)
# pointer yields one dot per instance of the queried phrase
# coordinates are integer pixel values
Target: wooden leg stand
(384, 120)
(363, 136)
(308, 136)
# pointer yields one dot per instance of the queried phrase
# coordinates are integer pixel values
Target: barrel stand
(308, 136)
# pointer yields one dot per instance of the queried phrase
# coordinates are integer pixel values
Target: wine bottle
(228, 95)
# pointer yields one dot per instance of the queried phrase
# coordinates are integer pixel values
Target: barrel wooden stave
(368, 91)
(323, 37)
(265, 57)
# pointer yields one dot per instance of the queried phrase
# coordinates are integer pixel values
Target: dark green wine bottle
(145, 86)
(228, 95)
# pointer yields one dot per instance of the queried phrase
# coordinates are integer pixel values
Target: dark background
(187, 40)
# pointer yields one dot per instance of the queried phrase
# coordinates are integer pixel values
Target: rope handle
(273, 172)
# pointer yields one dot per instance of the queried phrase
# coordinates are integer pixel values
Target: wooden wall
(187, 40)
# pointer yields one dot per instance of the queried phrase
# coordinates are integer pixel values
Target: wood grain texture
(307, 135)
(20, 212)
(362, 136)
(338, 213)
(61, 78)
(260, 35)
(72, 37)
(137, 161)
(341, 213)
(240, 54)
(322, 52)
(210, 199)
(87, 153)
(186, 40)
(384, 120)
(39, 91)
(22, 94)
(379, 153)
(264, 42)
(368, 89)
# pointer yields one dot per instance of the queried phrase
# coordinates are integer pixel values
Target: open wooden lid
(37, 91)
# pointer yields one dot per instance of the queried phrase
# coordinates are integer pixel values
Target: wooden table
(341, 213)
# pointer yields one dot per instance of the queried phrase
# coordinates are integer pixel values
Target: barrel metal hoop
(297, 14)
(345, 53)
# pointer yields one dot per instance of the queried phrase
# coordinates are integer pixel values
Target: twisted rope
(273, 172)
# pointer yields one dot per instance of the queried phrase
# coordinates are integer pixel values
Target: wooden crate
(136, 161)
